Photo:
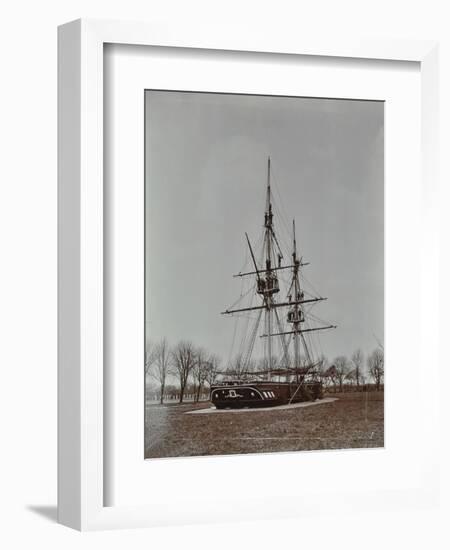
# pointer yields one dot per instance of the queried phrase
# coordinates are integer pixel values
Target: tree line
(194, 368)
(357, 370)
(186, 362)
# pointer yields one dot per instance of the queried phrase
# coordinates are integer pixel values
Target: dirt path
(213, 410)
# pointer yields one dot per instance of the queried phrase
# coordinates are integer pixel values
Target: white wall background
(28, 269)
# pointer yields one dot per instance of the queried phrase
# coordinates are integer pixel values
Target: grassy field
(355, 420)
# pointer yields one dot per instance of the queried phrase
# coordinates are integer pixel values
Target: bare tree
(183, 361)
(351, 376)
(375, 363)
(341, 365)
(199, 372)
(212, 369)
(358, 362)
(149, 360)
(330, 376)
(157, 365)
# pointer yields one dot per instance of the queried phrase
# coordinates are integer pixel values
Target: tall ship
(277, 312)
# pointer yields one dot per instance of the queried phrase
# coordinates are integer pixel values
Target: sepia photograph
(264, 274)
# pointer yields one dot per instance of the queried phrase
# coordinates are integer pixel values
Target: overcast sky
(206, 172)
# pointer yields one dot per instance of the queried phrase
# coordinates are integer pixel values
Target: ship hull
(263, 394)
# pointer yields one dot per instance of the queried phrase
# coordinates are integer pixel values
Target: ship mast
(296, 315)
(268, 220)
(267, 285)
(296, 310)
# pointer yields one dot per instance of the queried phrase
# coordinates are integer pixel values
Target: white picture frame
(81, 407)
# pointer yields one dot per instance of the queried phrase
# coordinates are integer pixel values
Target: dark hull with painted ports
(241, 395)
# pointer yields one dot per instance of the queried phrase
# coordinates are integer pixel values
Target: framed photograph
(218, 386)
(244, 261)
